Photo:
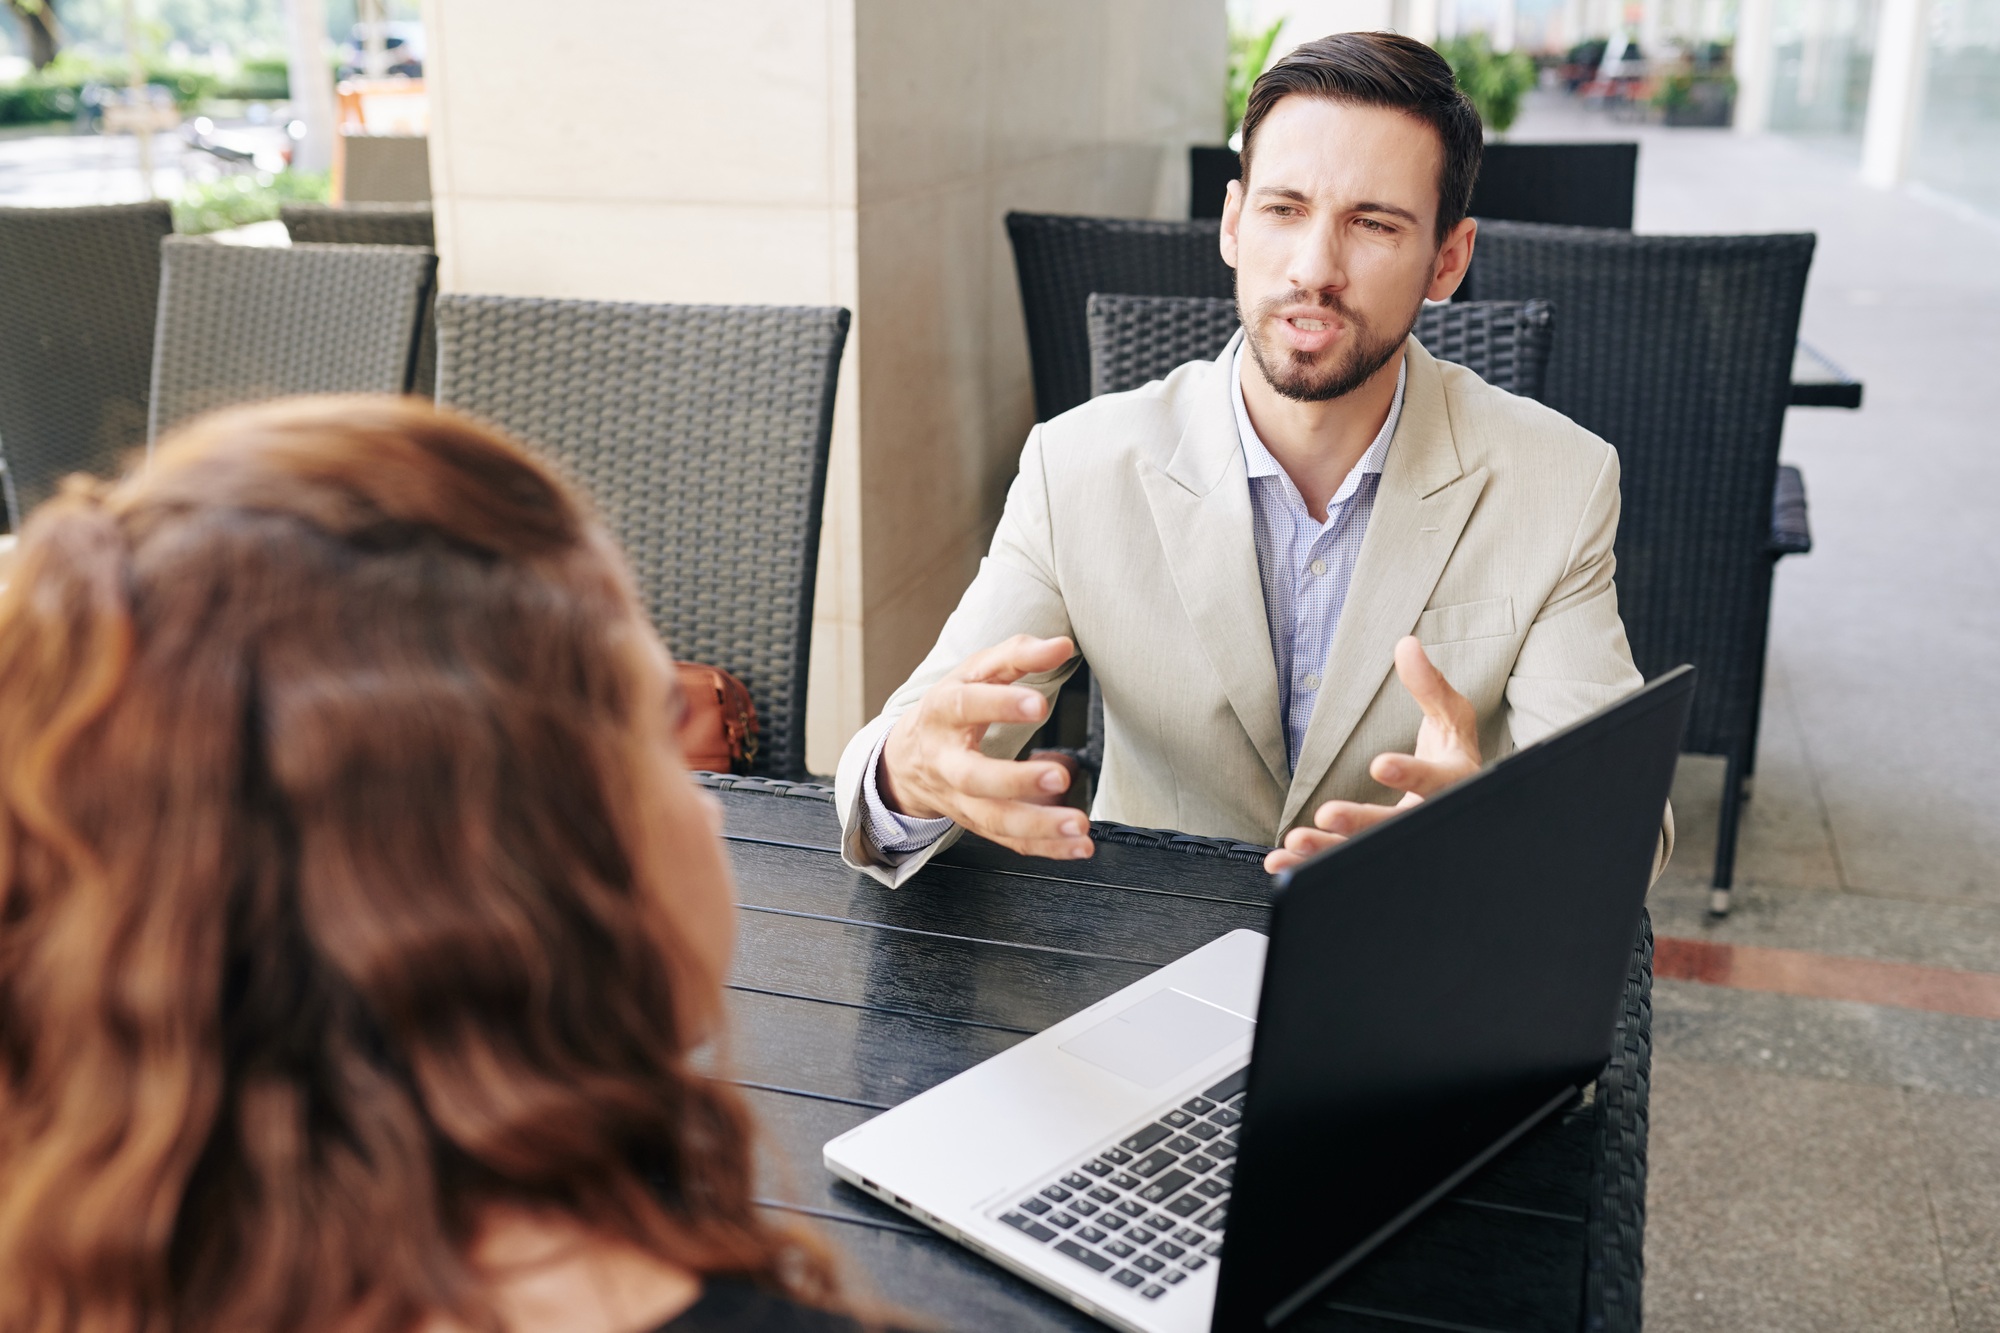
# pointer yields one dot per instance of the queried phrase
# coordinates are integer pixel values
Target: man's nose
(1318, 262)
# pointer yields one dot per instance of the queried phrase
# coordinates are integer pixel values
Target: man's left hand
(1447, 752)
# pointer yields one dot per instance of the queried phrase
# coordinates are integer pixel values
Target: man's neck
(1318, 444)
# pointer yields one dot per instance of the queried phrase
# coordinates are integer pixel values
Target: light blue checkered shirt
(1305, 567)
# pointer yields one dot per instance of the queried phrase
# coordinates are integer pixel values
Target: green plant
(237, 201)
(1677, 92)
(1494, 81)
(1249, 49)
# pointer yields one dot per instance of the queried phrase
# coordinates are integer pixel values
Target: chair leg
(1725, 837)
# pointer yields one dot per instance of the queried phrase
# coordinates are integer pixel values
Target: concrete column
(841, 152)
(1895, 92)
(1418, 19)
(1753, 66)
(1505, 21)
(312, 83)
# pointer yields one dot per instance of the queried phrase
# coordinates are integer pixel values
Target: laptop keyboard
(1148, 1210)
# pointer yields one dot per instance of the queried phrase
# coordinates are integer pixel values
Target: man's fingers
(1427, 685)
(1022, 655)
(966, 704)
(1300, 845)
(1348, 818)
(976, 776)
(1057, 832)
(1407, 773)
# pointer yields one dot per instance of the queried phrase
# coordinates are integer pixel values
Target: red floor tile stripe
(1828, 976)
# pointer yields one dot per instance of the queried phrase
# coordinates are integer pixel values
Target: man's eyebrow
(1371, 206)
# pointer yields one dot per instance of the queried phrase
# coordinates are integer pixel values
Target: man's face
(1333, 238)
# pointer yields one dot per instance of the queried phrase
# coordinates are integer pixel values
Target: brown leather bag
(719, 734)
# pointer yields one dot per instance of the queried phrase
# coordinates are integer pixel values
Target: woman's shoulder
(741, 1307)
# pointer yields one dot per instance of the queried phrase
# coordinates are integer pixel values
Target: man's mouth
(1309, 325)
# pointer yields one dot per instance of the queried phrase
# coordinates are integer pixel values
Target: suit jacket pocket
(1466, 620)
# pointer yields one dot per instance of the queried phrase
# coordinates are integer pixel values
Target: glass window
(1957, 147)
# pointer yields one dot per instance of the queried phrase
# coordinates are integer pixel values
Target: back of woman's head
(346, 889)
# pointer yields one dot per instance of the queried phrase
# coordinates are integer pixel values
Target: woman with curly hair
(358, 925)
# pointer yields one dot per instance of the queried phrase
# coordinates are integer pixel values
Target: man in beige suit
(1321, 574)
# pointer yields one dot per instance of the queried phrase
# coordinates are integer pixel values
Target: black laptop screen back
(1433, 986)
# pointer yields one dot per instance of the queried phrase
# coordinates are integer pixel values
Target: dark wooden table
(848, 998)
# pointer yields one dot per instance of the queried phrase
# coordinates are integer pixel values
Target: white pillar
(312, 84)
(1753, 61)
(1505, 23)
(1418, 19)
(1895, 92)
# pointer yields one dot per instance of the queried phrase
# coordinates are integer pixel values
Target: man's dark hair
(1382, 69)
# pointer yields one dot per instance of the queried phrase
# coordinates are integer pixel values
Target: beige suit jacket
(1129, 529)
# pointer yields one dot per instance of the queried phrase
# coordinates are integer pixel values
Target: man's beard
(1300, 377)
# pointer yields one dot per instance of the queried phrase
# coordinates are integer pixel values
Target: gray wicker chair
(79, 292)
(375, 224)
(702, 432)
(240, 324)
(1060, 261)
(1678, 350)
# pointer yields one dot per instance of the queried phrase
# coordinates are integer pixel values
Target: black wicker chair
(375, 224)
(1678, 350)
(1060, 261)
(79, 294)
(702, 433)
(1137, 339)
(240, 324)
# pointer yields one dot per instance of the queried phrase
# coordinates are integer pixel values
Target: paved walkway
(1830, 1164)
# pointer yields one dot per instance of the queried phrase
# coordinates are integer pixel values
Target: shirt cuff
(895, 836)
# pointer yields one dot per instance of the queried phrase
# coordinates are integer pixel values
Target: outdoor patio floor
(1826, 1164)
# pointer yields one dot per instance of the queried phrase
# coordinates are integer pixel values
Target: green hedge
(55, 93)
(236, 201)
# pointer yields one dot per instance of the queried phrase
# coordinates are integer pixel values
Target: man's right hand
(932, 767)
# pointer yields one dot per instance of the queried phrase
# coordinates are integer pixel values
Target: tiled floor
(1825, 1164)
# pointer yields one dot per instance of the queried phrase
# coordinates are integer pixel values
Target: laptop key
(1188, 1204)
(1104, 1194)
(1213, 1219)
(1063, 1220)
(1222, 1148)
(1211, 1249)
(1230, 1087)
(1021, 1222)
(1178, 1119)
(1180, 1145)
(1147, 1263)
(1201, 1129)
(1198, 1164)
(1145, 1138)
(1154, 1292)
(1225, 1117)
(1125, 1180)
(1166, 1187)
(1056, 1194)
(1140, 1236)
(1132, 1208)
(1160, 1223)
(1075, 1181)
(1110, 1221)
(1098, 1167)
(1173, 1277)
(1197, 1106)
(1091, 1235)
(1083, 1207)
(1036, 1206)
(1212, 1189)
(1166, 1249)
(1194, 1262)
(1119, 1249)
(1116, 1156)
(1088, 1258)
(1189, 1236)
(1150, 1165)
(1125, 1277)
(1227, 1174)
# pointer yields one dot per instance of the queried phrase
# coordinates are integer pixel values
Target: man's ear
(1453, 258)
(1232, 213)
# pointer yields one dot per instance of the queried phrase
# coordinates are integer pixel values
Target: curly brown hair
(331, 910)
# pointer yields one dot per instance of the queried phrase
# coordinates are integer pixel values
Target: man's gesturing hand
(932, 767)
(1447, 750)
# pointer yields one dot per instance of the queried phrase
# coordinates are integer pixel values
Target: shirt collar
(1259, 463)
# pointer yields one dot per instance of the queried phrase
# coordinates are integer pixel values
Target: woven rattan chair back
(1060, 261)
(702, 434)
(1137, 339)
(1678, 350)
(241, 324)
(375, 224)
(79, 291)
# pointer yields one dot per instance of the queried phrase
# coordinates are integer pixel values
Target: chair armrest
(1791, 531)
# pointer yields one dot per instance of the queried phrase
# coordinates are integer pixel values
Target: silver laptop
(1430, 990)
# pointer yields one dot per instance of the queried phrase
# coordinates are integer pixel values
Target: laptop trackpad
(1161, 1036)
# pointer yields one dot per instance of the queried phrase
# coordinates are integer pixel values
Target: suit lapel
(1201, 505)
(1421, 506)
